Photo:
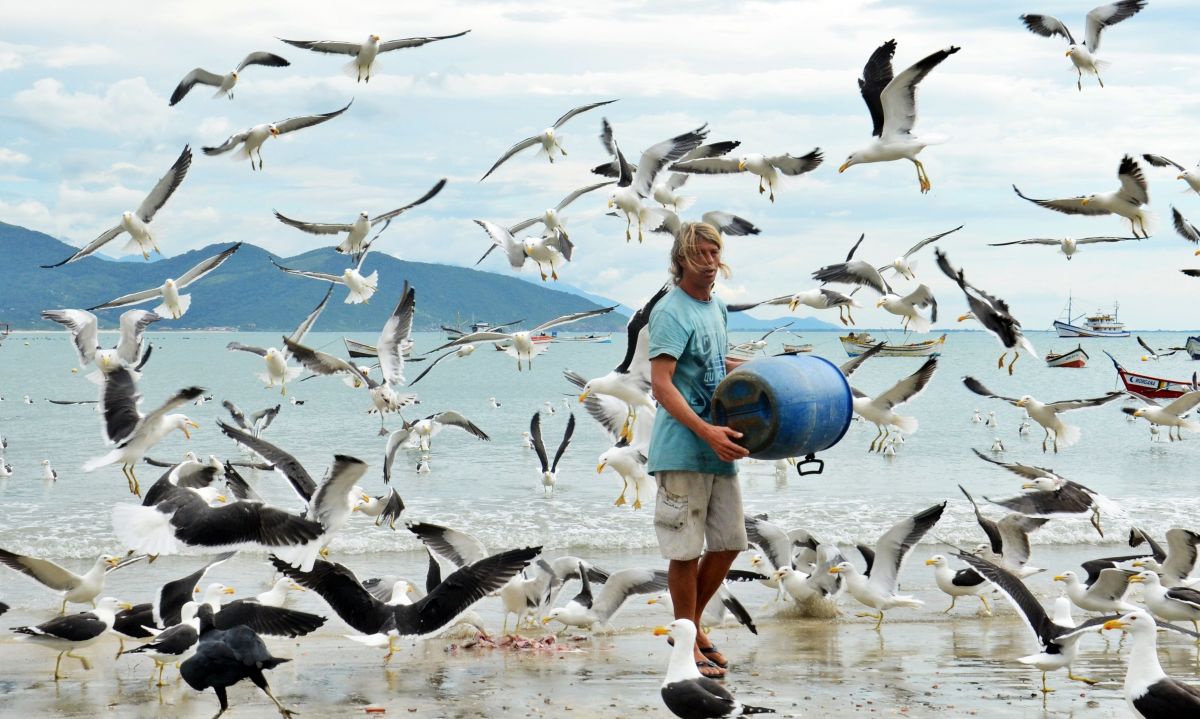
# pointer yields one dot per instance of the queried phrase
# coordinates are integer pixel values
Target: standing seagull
(549, 468)
(1149, 692)
(174, 305)
(991, 312)
(962, 583)
(364, 53)
(74, 631)
(521, 346)
(137, 224)
(688, 693)
(1059, 642)
(893, 106)
(1083, 56)
(1128, 202)
(877, 588)
(878, 410)
(1046, 414)
(357, 231)
(1168, 603)
(252, 139)
(545, 138)
(224, 83)
(1191, 177)
(276, 360)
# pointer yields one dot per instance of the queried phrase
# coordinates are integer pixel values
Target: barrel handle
(810, 459)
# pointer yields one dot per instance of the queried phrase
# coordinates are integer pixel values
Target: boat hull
(859, 344)
(1075, 359)
(1150, 387)
(1065, 329)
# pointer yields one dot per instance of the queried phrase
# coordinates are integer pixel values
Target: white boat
(797, 349)
(857, 343)
(1071, 358)
(1099, 324)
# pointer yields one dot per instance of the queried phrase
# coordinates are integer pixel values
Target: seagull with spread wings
(1083, 57)
(419, 434)
(174, 305)
(364, 53)
(276, 360)
(550, 249)
(137, 223)
(906, 307)
(84, 330)
(224, 83)
(549, 469)
(251, 140)
(892, 102)
(991, 312)
(854, 272)
(1191, 177)
(878, 410)
(546, 138)
(356, 242)
(635, 186)
(1171, 415)
(1068, 246)
(768, 168)
(360, 288)
(1046, 413)
(1129, 202)
(520, 344)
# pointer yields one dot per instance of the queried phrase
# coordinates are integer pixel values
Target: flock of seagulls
(205, 505)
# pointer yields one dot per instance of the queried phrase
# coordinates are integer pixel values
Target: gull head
(273, 129)
(842, 568)
(1044, 484)
(1087, 200)
(936, 560)
(680, 629)
(1067, 577)
(1144, 577)
(1134, 622)
(126, 216)
(1024, 400)
(363, 215)
(964, 318)
(182, 423)
(853, 159)
(374, 38)
(45, 463)
(233, 74)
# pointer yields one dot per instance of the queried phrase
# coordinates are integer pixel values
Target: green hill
(248, 293)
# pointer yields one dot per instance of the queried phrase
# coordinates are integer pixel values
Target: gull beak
(1084, 201)
(366, 497)
(112, 561)
(196, 590)
(185, 431)
(105, 361)
(741, 165)
(546, 620)
(1029, 486)
(599, 468)
(964, 318)
(583, 395)
(835, 570)
(1059, 578)
(275, 131)
(228, 590)
(126, 606)
(1197, 252)
(1137, 564)
(929, 562)
(1136, 579)
(1115, 624)
(652, 600)
(221, 498)
(1180, 177)
(610, 203)
(296, 587)
(1069, 55)
(879, 303)
(661, 631)
(1021, 403)
(843, 167)
(792, 306)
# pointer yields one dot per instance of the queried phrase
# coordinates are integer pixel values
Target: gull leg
(760, 186)
(771, 185)
(1045, 438)
(560, 148)
(1056, 442)
(1045, 689)
(877, 436)
(58, 662)
(82, 660)
(850, 315)
(284, 711)
(1085, 680)
(637, 502)
(1016, 355)
(63, 609)
(986, 607)
(121, 646)
(628, 225)
(1096, 521)
(625, 488)
(1098, 77)
(161, 667)
(387, 658)
(952, 601)
(1000, 362)
(1079, 80)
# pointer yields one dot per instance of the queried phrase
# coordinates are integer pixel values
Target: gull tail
(1068, 435)
(144, 529)
(351, 68)
(93, 464)
(917, 323)
(132, 246)
(934, 139)
(906, 425)
(185, 301)
(370, 285)
(747, 709)
(300, 556)
(906, 601)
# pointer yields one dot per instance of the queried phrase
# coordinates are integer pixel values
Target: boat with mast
(1098, 324)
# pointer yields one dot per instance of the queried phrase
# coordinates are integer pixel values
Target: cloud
(10, 57)
(127, 107)
(12, 157)
(73, 55)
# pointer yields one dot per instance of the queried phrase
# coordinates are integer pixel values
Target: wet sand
(922, 664)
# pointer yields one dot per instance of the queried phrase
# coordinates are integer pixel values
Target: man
(699, 499)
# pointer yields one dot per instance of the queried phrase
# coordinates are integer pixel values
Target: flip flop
(710, 652)
(706, 664)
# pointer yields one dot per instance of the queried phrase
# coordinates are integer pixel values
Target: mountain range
(248, 293)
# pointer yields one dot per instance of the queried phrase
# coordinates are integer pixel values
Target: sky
(85, 131)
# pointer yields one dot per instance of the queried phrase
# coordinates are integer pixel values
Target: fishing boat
(1100, 324)
(796, 349)
(502, 345)
(1152, 387)
(1192, 347)
(598, 339)
(358, 350)
(858, 342)
(1071, 358)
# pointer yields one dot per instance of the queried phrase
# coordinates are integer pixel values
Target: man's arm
(662, 370)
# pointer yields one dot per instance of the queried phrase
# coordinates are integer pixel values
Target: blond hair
(684, 251)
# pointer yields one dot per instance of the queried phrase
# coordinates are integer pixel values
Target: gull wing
(990, 528)
(206, 266)
(1014, 536)
(132, 298)
(1033, 241)
(238, 346)
(893, 547)
(1047, 26)
(708, 166)
(395, 441)
(977, 387)
(105, 237)
(623, 584)
(774, 543)
(324, 276)
(330, 497)
(1071, 404)
(1018, 595)
(523, 144)
(1022, 470)
(133, 326)
(397, 329)
(345, 595)
(792, 166)
(535, 433)
(503, 238)
(1185, 229)
(387, 217)
(853, 272)
(472, 338)
(198, 76)
(575, 111)
(268, 59)
(729, 224)
(624, 170)
(661, 154)
(877, 74)
(1094, 240)
(336, 47)
(42, 570)
(566, 440)
(1106, 15)
(299, 123)
(166, 186)
(303, 328)
(1160, 161)
(899, 98)
(119, 406)
(577, 194)
(1133, 182)
(1181, 551)
(909, 387)
(573, 317)
(176, 400)
(854, 363)
(637, 355)
(284, 463)
(934, 238)
(1184, 403)
(458, 548)
(231, 142)
(431, 365)
(454, 419)
(84, 332)
(1066, 205)
(322, 363)
(313, 228)
(407, 42)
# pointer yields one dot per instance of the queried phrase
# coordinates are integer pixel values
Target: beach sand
(922, 664)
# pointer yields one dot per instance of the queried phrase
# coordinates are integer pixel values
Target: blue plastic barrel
(785, 406)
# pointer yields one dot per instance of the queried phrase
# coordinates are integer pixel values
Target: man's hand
(721, 441)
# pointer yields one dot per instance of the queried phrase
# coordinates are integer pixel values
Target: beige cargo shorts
(694, 511)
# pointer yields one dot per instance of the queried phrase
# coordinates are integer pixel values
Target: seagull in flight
(364, 53)
(546, 138)
(1128, 202)
(251, 140)
(223, 83)
(1083, 56)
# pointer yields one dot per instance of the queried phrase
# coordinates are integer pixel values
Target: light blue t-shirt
(695, 334)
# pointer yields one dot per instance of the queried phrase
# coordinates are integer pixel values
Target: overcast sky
(85, 130)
